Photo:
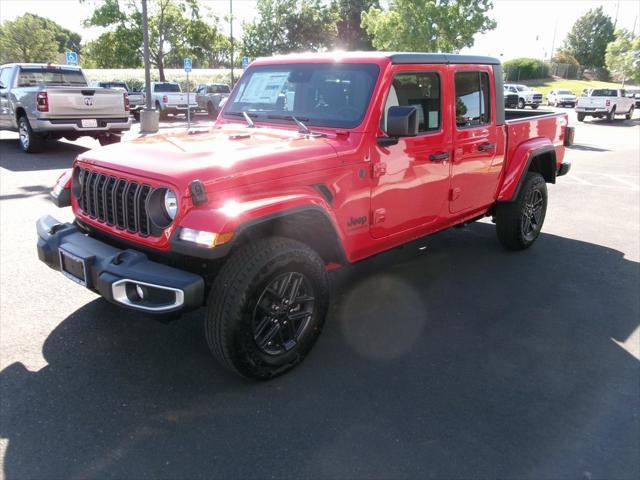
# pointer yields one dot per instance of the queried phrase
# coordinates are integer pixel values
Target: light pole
(231, 36)
(148, 117)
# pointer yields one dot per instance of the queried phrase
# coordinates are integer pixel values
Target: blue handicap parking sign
(72, 58)
(187, 64)
(245, 62)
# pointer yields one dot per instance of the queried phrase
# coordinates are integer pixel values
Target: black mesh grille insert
(115, 201)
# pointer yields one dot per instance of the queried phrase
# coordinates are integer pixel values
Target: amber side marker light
(204, 238)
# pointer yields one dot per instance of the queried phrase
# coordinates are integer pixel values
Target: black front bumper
(115, 273)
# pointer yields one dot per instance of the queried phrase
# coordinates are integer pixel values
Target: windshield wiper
(250, 123)
(247, 117)
(303, 128)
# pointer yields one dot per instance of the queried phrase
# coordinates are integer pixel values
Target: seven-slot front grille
(114, 201)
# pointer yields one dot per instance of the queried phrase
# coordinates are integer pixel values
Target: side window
(472, 99)
(420, 90)
(5, 76)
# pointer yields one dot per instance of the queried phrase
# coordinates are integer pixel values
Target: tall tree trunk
(161, 67)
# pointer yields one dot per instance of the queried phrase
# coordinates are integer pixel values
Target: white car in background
(526, 96)
(561, 98)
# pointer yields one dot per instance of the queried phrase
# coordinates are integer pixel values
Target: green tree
(622, 56)
(588, 39)
(31, 38)
(428, 25)
(565, 56)
(285, 26)
(176, 30)
(350, 34)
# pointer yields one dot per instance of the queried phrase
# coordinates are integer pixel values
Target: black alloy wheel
(283, 312)
(532, 215)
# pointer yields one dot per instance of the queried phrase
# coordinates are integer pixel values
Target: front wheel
(521, 104)
(267, 307)
(534, 107)
(30, 141)
(581, 117)
(518, 223)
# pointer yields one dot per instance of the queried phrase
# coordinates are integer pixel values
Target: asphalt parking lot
(460, 360)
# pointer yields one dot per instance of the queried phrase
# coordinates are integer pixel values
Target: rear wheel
(611, 115)
(267, 307)
(162, 114)
(629, 114)
(518, 223)
(30, 141)
(213, 113)
(581, 117)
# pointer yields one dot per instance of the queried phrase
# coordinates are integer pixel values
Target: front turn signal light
(204, 238)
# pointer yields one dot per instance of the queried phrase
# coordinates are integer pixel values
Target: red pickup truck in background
(315, 161)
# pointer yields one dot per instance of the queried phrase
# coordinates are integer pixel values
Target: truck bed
(512, 115)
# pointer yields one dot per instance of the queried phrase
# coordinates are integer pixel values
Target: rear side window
(473, 106)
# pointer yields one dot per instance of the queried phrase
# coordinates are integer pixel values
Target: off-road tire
(211, 111)
(629, 114)
(581, 117)
(30, 141)
(233, 299)
(510, 222)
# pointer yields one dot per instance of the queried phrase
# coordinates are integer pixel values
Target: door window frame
(439, 75)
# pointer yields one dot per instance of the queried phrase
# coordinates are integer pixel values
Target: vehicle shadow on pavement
(457, 361)
(618, 122)
(56, 155)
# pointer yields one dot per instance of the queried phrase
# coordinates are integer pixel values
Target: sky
(525, 28)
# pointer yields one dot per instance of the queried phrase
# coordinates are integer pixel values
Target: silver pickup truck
(45, 101)
(210, 96)
(136, 99)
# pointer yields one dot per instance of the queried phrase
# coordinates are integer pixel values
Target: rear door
(478, 150)
(411, 178)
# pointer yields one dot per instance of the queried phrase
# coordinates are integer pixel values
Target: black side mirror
(402, 121)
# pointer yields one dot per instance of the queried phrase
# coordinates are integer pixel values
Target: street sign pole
(188, 103)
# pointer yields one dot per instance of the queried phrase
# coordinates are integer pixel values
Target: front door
(478, 155)
(411, 178)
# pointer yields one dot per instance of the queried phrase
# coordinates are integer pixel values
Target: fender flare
(523, 156)
(215, 220)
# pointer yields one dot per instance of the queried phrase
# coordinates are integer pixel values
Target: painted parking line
(604, 180)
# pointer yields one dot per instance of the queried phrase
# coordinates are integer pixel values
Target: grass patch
(545, 85)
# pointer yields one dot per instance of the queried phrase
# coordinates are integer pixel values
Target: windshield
(167, 88)
(605, 92)
(30, 76)
(564, 92)
(522, 88)
(328, 95)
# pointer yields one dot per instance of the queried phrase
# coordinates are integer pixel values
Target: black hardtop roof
(406, 58)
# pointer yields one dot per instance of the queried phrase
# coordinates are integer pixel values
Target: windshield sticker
(264, 87)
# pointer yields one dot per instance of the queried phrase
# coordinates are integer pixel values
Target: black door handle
(486, 146)
(436, 157)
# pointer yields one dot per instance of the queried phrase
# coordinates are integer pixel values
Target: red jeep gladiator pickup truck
(315, 161)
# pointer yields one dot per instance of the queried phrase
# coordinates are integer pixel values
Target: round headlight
(170, 204)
